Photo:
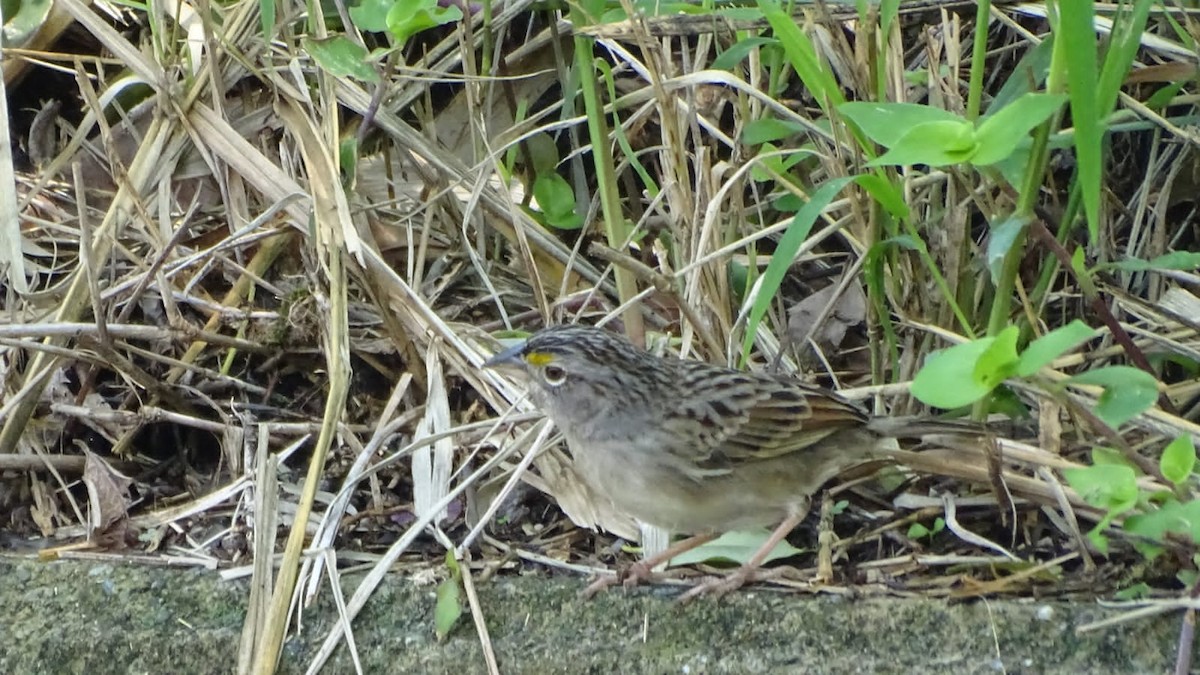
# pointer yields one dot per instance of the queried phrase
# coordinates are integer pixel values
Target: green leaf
(1128, 392)
(1106, 486)
(999, 134)
(1178, 459)
(785, 253)
(739, 50)
(1187, 578)
(341, 57)
(1135, 592)
(814, 72)
(885, 193)
(1030, 72)
(371, 15)
(886, 123)
(735, 547)
(997, 362)
(1097, 538)
(917, 530)
(769, 129)
(947, 380)
(556, 200)
(266, 18)
(1176, 260)
(739, 13)
(1124, 42)
(1076, 44)
(1156, 524)
(1052, 345)
(22, 20)
(932, 143)
(448, 608)
(1000, 242)
(348, 159)
(1103, 455)
(408, 18)
(1179, 518)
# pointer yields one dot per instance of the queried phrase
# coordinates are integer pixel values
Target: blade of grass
(785, 253)
(1075, 26)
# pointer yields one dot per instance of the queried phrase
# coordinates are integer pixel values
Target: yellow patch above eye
(539, 358)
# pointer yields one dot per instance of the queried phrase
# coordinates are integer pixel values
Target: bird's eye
(554, 374)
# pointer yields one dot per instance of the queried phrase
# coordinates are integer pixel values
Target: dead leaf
(805, 320)
(108, 492)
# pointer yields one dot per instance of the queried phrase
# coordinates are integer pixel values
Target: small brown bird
(694, 447)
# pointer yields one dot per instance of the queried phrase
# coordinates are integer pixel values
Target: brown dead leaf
(108, 492)
(810, 318)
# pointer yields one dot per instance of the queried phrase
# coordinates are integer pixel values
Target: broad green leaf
(1155, 524)
(947, 379)
(917, 531)
(932, 143)
(1029, 73)
(556, 200)
(1052, 345)
(341, 57)
(999, 134)
(997, 362)
(739, 13)
(406, 19)
(1106, 486)
(886, 123)
(371, 15)
(1128, 392)
(1103, 455)
(1178, 459)
(1179, 518)
(736, 547)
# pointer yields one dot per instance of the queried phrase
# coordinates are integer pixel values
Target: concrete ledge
(68, 617)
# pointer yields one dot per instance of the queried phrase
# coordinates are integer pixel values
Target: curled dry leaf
(808, 319)
(108, 492)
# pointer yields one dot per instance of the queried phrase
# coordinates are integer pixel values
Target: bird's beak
(510, 358)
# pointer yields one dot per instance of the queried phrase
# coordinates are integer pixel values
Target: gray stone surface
(97, 618)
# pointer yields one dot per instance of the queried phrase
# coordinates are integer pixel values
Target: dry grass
(265, 353)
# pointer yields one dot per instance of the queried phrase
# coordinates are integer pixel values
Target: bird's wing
(733, 417)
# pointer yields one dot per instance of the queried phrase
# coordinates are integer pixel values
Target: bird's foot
(716, 587)
(632, 576)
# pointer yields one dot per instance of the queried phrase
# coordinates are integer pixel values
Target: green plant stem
(615, 227)
(983, 10)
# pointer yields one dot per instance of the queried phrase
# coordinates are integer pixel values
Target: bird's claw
(634, 575)
(715, 587)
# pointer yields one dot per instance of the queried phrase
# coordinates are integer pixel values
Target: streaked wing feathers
(746, 417)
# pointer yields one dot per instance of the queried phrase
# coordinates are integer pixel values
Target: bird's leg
(643, 570)
(749, 571)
